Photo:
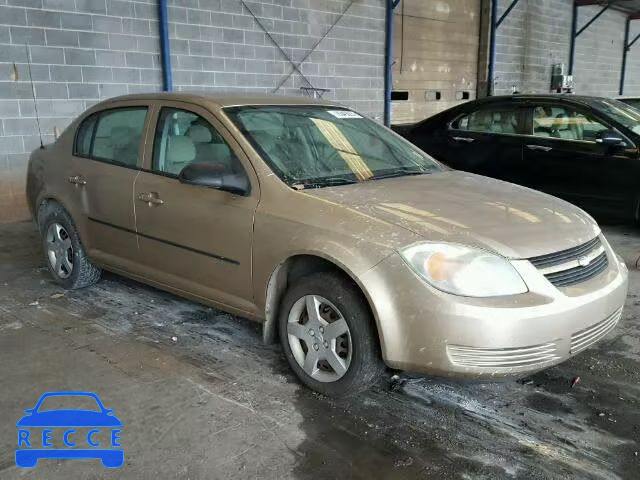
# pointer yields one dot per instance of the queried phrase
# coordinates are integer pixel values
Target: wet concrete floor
(200, 396)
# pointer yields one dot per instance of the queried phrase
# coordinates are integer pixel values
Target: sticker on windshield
(344, 114)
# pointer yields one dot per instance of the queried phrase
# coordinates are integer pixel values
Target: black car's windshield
(316, 146)
(620, 112)
(634, 102)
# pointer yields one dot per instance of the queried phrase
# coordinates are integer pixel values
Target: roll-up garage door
(435, 58)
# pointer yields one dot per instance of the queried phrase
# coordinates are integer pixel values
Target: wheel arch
(43, 203)
(298, 266)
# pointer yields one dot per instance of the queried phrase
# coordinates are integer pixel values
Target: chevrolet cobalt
(352, 246)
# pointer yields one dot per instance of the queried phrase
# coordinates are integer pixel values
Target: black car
(582, 149)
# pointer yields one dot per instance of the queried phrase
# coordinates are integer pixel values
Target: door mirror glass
(610, 138)
(212, 176)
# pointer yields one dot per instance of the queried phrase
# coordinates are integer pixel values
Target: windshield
(634, 102)
(315, 146)
(620, 112)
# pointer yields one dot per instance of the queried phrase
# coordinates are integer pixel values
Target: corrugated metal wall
(436, 50)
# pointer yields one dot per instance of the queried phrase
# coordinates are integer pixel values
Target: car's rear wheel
(66, 258)
(328, 335)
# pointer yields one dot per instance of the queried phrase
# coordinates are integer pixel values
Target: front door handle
(150, 198)
(464, 139)
(540, 148)
(77, 180)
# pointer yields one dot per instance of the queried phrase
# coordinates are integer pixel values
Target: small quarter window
(82, 147)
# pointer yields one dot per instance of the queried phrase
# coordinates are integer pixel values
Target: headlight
(464, 270)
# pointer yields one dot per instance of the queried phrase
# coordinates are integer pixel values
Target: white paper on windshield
(344, 114)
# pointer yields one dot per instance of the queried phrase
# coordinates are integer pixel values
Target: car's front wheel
(328, 335)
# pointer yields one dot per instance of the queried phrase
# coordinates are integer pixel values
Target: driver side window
(183, 137)
(565, 123)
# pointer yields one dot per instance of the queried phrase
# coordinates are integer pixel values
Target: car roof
(223, 99)
(583, 99)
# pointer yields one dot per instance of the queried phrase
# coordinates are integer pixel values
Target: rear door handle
(77, 180)
(541, 148)
(464, 139)
(150, 198)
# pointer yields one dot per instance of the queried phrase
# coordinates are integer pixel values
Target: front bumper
(426, 330)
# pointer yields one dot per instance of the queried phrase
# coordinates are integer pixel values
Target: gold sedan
(351, 245)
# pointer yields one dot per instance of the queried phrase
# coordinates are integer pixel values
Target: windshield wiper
(403, 172)
(323, 182)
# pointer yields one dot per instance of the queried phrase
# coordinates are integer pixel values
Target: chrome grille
(587, 337)
(502, 357)
(573, 265)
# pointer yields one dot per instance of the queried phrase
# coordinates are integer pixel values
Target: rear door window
(497, 119)
(118, 134)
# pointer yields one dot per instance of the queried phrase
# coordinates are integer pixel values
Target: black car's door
(568, 160)
(486, 141)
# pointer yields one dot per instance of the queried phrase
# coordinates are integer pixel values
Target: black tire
(366, 361)
(83, 272)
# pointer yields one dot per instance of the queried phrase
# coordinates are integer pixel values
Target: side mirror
(209, 175)
(610, 138)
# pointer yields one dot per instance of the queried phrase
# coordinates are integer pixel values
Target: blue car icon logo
(72, 428)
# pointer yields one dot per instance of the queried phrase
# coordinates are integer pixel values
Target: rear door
(569, 162)
(487, 141)
(106, 160)
(192, 238)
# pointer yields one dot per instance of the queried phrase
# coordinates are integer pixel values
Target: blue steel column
(572, 45)
(625, 49)
(165, 48)
(388, 62)
(492, 47)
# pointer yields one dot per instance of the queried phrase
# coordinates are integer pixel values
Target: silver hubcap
(59, 250)
(319, 338)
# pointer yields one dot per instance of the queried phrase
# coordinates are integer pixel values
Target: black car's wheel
(328, 335)
(66, 258)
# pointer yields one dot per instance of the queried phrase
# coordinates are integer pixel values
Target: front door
(193, 238)
(106, 161)
(570, 163)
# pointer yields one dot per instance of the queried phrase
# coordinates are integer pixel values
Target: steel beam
(388, 60)
(507, 12)
(492, 47)
(595, 17)
(572, 44)
(625, 49)
(165, 47)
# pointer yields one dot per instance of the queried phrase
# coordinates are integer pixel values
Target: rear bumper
(425, 330)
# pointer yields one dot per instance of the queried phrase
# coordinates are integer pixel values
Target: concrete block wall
(536, 34)
(598, 60)
(219, 45)
(632, 78)
(83, 51)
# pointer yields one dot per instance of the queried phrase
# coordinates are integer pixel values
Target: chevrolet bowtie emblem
(584, 261)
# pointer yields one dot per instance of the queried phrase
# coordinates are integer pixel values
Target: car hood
(69, 418)
(459, 207)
